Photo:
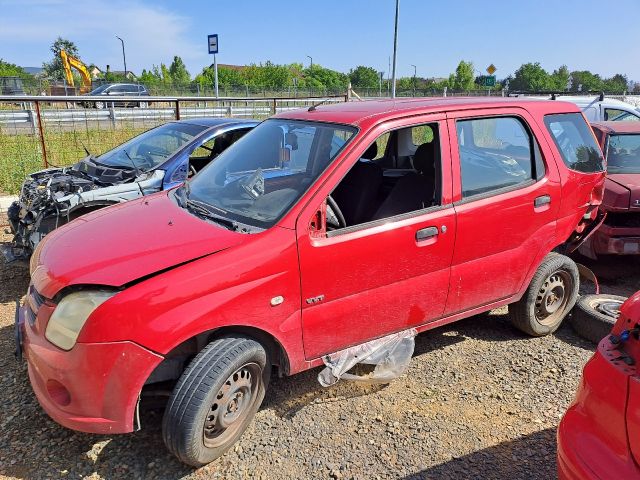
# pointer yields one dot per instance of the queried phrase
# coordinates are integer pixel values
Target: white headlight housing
(70, 315)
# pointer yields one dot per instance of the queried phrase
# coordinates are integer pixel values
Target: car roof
(218, 121)
(587, 100)
(618, 127)
(360, 112)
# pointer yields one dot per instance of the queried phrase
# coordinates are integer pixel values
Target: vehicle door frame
(313, 213)
(552, 177)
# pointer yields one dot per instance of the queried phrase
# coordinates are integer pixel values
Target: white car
(603, 109)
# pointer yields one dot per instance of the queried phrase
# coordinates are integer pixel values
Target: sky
(601, 36)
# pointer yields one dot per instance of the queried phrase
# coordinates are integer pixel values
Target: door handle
(542, 200)
(426, 233)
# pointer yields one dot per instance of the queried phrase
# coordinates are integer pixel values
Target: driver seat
(356, 193)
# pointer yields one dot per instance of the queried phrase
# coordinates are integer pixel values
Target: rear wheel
(594, 315)
(551, 295)
(215, 399)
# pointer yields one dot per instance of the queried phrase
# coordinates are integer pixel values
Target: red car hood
(630, 181)
(116, 245)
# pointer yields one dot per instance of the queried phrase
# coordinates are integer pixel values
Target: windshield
(623, 154)
(151, 148)
(100, 89)
(258, 178)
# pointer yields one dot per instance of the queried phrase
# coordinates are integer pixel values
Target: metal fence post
(32, 119)
(177, 109)
(275, 105)
(41, 131)
(112, 115)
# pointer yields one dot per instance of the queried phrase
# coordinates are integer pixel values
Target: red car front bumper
(592, 436)
(94, 387)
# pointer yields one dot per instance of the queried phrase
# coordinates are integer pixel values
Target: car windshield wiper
(200, 208)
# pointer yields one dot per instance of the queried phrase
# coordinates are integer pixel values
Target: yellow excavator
(68, 62)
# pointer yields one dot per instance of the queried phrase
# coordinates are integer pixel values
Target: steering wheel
(335, 212)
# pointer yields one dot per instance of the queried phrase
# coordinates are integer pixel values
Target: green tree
(587, 80)
(12, 70)
(530, 77)
(54, 69)
(325, 78)
(364, 77)
(227, 77)
(178, 72)
(464, 77)
(559, 79)
(616, 84)
(150, 77)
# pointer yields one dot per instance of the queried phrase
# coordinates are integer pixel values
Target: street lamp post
(124, 57)
(414, 79)
(395, 51)
(311, 59)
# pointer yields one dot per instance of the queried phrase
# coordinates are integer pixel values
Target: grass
(21, 153)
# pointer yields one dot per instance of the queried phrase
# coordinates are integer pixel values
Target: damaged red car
(599, 436)
(620, 232)
(320, 230)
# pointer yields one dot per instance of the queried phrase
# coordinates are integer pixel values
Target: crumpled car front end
(50, 198)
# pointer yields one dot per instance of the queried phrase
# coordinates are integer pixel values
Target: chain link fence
(40, 132)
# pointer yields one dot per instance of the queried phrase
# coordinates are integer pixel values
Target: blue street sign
(213, 43)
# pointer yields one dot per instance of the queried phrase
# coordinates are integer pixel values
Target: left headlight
(71, 314)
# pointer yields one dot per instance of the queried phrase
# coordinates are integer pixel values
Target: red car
(599, 436)
(319, 230)
(620, 232)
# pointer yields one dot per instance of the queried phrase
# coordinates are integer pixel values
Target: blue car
(158, 159)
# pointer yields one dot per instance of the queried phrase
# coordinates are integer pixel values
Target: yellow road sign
(491, 69)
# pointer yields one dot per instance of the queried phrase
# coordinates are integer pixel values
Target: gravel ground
(479, 400)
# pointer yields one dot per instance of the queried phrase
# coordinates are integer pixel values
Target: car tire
(551, 295)
(215, 399)
(594, 315)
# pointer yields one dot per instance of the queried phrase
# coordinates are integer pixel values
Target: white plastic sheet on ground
(390, 355)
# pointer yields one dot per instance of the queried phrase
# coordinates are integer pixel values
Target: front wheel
(551, 295)
(215, 399)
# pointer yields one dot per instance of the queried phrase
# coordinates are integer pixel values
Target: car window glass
(421, 134)
(575, 141)
(151, 148)
(616, 115)
(623, 153)
(495, 153)
(256, 180)
(374, 190)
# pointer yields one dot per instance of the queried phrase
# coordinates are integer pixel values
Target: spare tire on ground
(594, 315)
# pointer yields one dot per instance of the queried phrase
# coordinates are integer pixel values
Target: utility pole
(395, 51)
(414, 79)
(124, 57)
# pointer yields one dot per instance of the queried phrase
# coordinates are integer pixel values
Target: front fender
(231, 288)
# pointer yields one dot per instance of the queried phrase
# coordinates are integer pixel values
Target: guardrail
(37, 131)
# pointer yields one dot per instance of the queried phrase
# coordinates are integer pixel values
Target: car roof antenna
(315, 105)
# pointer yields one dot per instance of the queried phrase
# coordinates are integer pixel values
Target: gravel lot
(480, 400)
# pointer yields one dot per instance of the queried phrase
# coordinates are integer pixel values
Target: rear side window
(575, 142)
(496, 153)
(616, 115)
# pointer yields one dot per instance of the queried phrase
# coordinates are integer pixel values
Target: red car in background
(599, 436)
(620, 232)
